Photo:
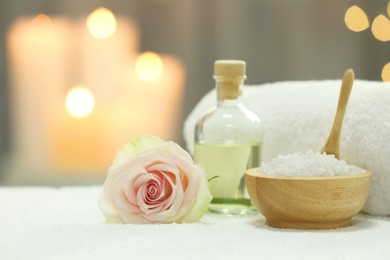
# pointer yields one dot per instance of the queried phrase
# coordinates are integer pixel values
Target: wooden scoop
(332, 145)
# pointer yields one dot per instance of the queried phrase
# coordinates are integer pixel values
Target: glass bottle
(228, 141)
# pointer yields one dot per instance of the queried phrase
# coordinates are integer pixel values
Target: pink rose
(154, 181)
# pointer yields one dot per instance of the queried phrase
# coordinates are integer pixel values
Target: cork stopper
(230, 74)
(229, 68)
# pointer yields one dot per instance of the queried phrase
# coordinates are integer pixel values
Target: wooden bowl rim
(256, 172)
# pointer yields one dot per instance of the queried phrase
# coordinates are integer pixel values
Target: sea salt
(308, 164)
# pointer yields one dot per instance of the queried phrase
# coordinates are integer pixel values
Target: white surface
(48, 223)
(298, 116)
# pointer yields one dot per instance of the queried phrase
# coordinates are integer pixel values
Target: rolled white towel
(297, 117)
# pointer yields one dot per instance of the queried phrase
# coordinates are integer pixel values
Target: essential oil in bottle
(228, 141)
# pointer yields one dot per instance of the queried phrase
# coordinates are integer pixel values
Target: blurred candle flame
(41, 20)
(80, 102)
(101, 23)
(149, 66)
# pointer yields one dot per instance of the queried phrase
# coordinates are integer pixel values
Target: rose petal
(147, 142)
(173, 150)
(143, 181)
(141, 160)
(123, 155)
(164, 190)
(133, 218)
(171, 175)
(146, 208)
(175, 199)
(154, 191)
(184, 180)
(120, 200)
(137, 146)
(193, 175)
(129, 180)
(203, 199)
(109, 212)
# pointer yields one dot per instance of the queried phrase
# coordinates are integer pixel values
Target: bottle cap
(232, 73)
(229, 68)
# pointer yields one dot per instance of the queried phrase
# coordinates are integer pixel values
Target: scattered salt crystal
(308, 164)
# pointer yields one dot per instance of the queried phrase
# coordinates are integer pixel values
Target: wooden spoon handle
(332, 145)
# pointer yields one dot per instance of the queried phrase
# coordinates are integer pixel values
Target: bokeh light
(386, 73)
(356, 19)
(101, 23)
(388, 9)
(80, 102)
(149, 66)
(41, 20)
(381, 28)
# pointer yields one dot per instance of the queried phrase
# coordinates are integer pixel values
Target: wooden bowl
(308, 202)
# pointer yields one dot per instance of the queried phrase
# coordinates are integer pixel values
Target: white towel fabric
(298, 116)
(48, 223)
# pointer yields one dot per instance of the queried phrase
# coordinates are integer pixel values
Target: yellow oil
(225, 164)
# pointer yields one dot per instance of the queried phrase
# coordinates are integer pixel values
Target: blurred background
(78, 79)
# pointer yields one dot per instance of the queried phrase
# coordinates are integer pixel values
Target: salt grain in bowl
(308, 164)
